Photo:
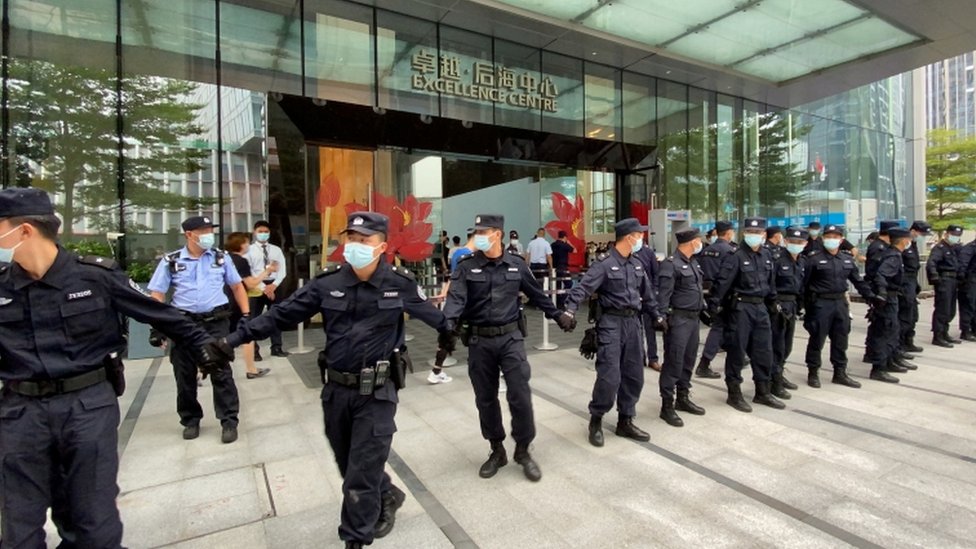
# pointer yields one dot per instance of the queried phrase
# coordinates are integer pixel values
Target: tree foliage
(950, 172)
(65, 136)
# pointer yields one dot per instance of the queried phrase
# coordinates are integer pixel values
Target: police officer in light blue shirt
(197, 274)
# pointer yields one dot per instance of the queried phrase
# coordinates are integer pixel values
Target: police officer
(908, 300)
(682, 296)
(197, 273)
(883, 241)
(483, 302)
(872, 261)
(774, 240)
(788, 266)
(745, 293)
(942, 270)
(967, 291)
(827, 312)
(362, 304)
(884, 274)
(60, 339)
(814, 242)
(648, 260)
(625, 293)
(711, 262)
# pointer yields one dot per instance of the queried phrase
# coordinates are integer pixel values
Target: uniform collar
(379, 275)
(619, 258)
(185, 253)
(56, 277)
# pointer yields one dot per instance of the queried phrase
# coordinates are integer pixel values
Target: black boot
(901, 362)
(735, 399)
(949, 338)
(497, 460)
(529, 466)
(765, 396)
(778, 389)
(787, 384)
(813, 379)
(596, 431)
(669, 415)
(704, 370)
(968, 336)
(880, 375)
(939, 341)
(902, 354)
(892, 367)
(684, 404)
(392, 501)
(911, 347)
(354, 545)
(841, 378)
(627, 429)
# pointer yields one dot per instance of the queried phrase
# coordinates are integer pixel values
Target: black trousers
(650, 336)
(258, 305)
(680, 350)
(749, 332)
(185, 364)
(827, 318)
(908, 310)
(487, 358)
(883, 333)
(715, 339)
(784, 328)
(945, 305)
(967, 305)
(360, 430)
(60, 452)
(619, 365)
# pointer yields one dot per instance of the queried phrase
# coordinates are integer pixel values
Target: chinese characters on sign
(484, 82)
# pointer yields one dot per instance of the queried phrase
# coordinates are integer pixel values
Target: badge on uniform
(358, 221)
(615, 268)
(513, 269)
(745, 263)
(5, 301)
(476, 271)
(79, 295)
(420, 293)
(337, 293)
(391, 294)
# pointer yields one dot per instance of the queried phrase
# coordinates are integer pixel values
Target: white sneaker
(434, 379)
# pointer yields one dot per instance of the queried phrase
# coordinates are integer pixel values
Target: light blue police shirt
(198, 283)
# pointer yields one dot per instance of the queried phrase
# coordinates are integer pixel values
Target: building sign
(482, 81)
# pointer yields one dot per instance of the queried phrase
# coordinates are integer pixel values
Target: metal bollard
(546, 345)
(301, 348)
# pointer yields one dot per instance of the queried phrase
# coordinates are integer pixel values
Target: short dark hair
(262, 223)
(562, 234)
(47, 225)
(235, 242)
(456, 240)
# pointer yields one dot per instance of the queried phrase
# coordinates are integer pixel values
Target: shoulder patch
(602, 256)
(331, 269)
(464, 258)
(103, 262)
(404, 272)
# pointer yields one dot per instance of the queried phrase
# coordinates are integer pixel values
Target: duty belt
(689, 313)
(219, 313)
(620, 312)
(494, 331)
(749, 299)
(947, 272)
(49, 387)
(829, 296)
(785, 297)
(348, 379)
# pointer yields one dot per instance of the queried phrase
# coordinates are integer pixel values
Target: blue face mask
(753, 240)
(712, 239)
(637, 246)
(795, 249)
(482, 242)
(262, 237)
(814, 233)
(358, 255)
(953, 239)
(831, 243)
(206, 241)
(698, 248)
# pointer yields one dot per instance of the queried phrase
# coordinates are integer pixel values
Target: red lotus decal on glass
(409, 231)
(569, 218)
(639, 210)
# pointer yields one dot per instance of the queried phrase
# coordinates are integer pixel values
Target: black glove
(215, 355)
(705, 317)
(156, 338)
(566, 321)
(242, 322)
(588, 347)
(879, 301)
(661, 324)
(799, 313)
(773, 307)
(447, 341)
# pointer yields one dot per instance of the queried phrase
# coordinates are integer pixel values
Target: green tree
(950, 173)
(66, 138)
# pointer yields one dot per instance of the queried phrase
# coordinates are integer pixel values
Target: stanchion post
(301, 348)
(546, 345)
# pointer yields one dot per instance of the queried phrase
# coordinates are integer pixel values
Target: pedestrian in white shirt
(260, 255)
(540, 255)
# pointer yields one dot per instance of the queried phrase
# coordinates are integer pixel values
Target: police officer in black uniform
(483, 303)
(872, 257)
(60, 338)
(908, 300)
(814, 241)
(884, 273)
(648, 260)
(942, 270)
(682, 298)
(625, 293)
(362, 304)
(711, 262)
(774, 239)
(967, 291)
(788, 267)
(745, 293)
(827, 312)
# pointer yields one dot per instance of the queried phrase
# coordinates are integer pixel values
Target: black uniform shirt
(967, 260)
(886, 275)
(942, 262)
(746, 273)
(828, 273)
(911, 260)
(485, 292)
(875, 247)
(648, 260)
(813, 245)
(621, 282)
(711, 258)
(362, 319)
(788, 272)
(68, 322)
(681, 284)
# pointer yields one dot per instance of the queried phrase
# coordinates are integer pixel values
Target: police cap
(722, 226)
(489, 221)
(627, 226)
(21, 201)
(922, 227)
(813, 225)
(367, 223)
(773, 231)
(198, 222)
(954, 230)
(833, 229)
(686, 235)
(884, 226)
(796, 232)
(895, 233)
(754, 223)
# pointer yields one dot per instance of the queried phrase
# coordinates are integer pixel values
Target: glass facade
(136, 114)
